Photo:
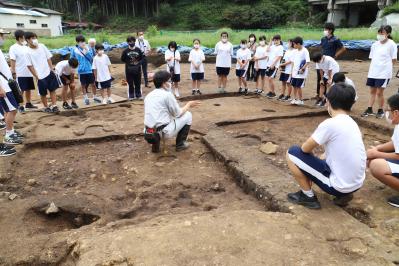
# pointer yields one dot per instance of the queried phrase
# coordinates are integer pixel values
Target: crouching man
(343, 170)
(163, 117)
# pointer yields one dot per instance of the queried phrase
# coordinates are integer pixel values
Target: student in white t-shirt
(18, 61)
(260, 59)
(65, 71)
(343, 170)
(276, 52)
(224, 53)
(383, 55)
(300, 63)
(196, 59)
(340, 77)
(327, 66)
(41, 67)
(285, 76)
(383, 159)
(243, 59)
(102, 74)
(252, 47)
(172, 58)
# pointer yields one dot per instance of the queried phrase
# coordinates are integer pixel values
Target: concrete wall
(53, 28)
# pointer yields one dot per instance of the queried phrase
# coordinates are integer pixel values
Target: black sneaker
(21, 109)
(368, 112)
(30, 106)
(343, 201)
(66, 106)
(270, 95)
(240, 90)
(380, 113)
(287, 98)
(394, 201)
(193, 92)
(74, 105)
(6, 150)
(47, 110)
(199, 92)
(54, 109)
(12, 140)
(19, 134)
(301, 199)
(183, 146)
(2, 124)
(322, 103)
(245, 91)
(318, 101)
(6, 147)
(281, 97)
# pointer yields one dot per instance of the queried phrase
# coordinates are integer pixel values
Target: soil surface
(84, 189)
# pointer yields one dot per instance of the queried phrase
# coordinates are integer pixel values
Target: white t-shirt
(63, 68)
(395, 138)
(101, 63)
(5, 69)
(261, 51)
(381, 56)
(300, 58)
(328, 63)
(243, 55)
(224, 52)
(345, 152)
(18, 53)
(197, 57)
(160, 108)
(274, 52)
(38, 59)
(172, 62)
(288, 58)
(143, 45)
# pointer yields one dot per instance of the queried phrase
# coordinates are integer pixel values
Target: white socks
(9, 132)
(308, 193)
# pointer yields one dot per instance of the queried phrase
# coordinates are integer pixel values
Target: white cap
(91, 40)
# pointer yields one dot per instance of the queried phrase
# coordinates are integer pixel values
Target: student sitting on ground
(163, 115)
(383, 159)
(65, 71)
(343, 170)
(327, 66)
(340, 77)
(102, 74)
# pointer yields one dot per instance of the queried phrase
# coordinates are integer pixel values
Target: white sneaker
(299, 102)
(177, 94)
(293, 102)
(104, 101)
(110, 100)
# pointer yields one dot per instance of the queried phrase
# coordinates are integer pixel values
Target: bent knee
(188, 117)
(379, 167)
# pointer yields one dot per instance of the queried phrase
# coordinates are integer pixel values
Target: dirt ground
(110, 201)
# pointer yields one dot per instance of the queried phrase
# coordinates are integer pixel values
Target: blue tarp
(352, 45)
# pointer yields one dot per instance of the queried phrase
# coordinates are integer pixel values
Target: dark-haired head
(160, 78)
(330, 27)
(19, 35)
(99, 46)
(262, 38)
(339, 77)
(297, 40)
(317, 56)
(80, 38)
(197, 40)
(341, 97)
(131, 40)
(393, 102)
(252, 36)
(172, 44)
(30, 35)
(73, 62)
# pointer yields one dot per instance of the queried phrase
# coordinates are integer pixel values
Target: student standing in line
(172, 58)
(102, 74)
(251, 66)
(20, 72)
(328, 67)
(383, 55)
(224, 53)
(145, 48)
(85, 58)
(41, 67)
(8, 106)
(132, 57)
(300, 61)
(331, 46)
(285, 76)
(276, 52)
(196, 59)
(243, 59)
(65, 71)
(260, 59)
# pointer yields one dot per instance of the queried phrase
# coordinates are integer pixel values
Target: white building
(44, 22)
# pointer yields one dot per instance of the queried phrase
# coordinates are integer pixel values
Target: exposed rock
(32, 182)
(13, 196)
(268, 148)
(52, 208)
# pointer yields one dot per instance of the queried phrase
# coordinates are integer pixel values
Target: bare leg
(9, 119)
(244, 81)
(289, 89)
(28, 96)
(64, 93)
(379, 169)
(271, 85)
(283, 87)
(373, 92)
(300, 93)
(302, 180)
(73, 92)
(53, 97)
(109, 92)
(44, 100)
(380, 94)
(93, 89)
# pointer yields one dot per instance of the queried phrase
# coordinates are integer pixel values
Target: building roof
(13, 11)
(11, 4)
(46, 11)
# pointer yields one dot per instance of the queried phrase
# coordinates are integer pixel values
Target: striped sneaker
(6, 150)
(12, 140)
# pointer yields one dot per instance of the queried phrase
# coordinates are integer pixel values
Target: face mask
(141, 37)
(196, 46)
(24, 43)
(243, 46)
(1, 42)
(224, 39)
(172, 49)
(131, 45)
(252, 39)
(35, 42)
(277, 43)
(262, 43)
(100, 52)
(325, 33)
(381, 37)
(387, 117)
(168, 86)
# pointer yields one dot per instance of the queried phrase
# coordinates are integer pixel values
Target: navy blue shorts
(394, 166)
(314, 168)
(26, 83)
(222, 71)
(271, 73)
(86, 79)
(242, 73)
(197, 76)
(285, 77)
(297, 83)
(377, 83)
(63, 79)
(49, 83)
(8, 103)
(175, 78)
(261, 72)
(104, 84)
